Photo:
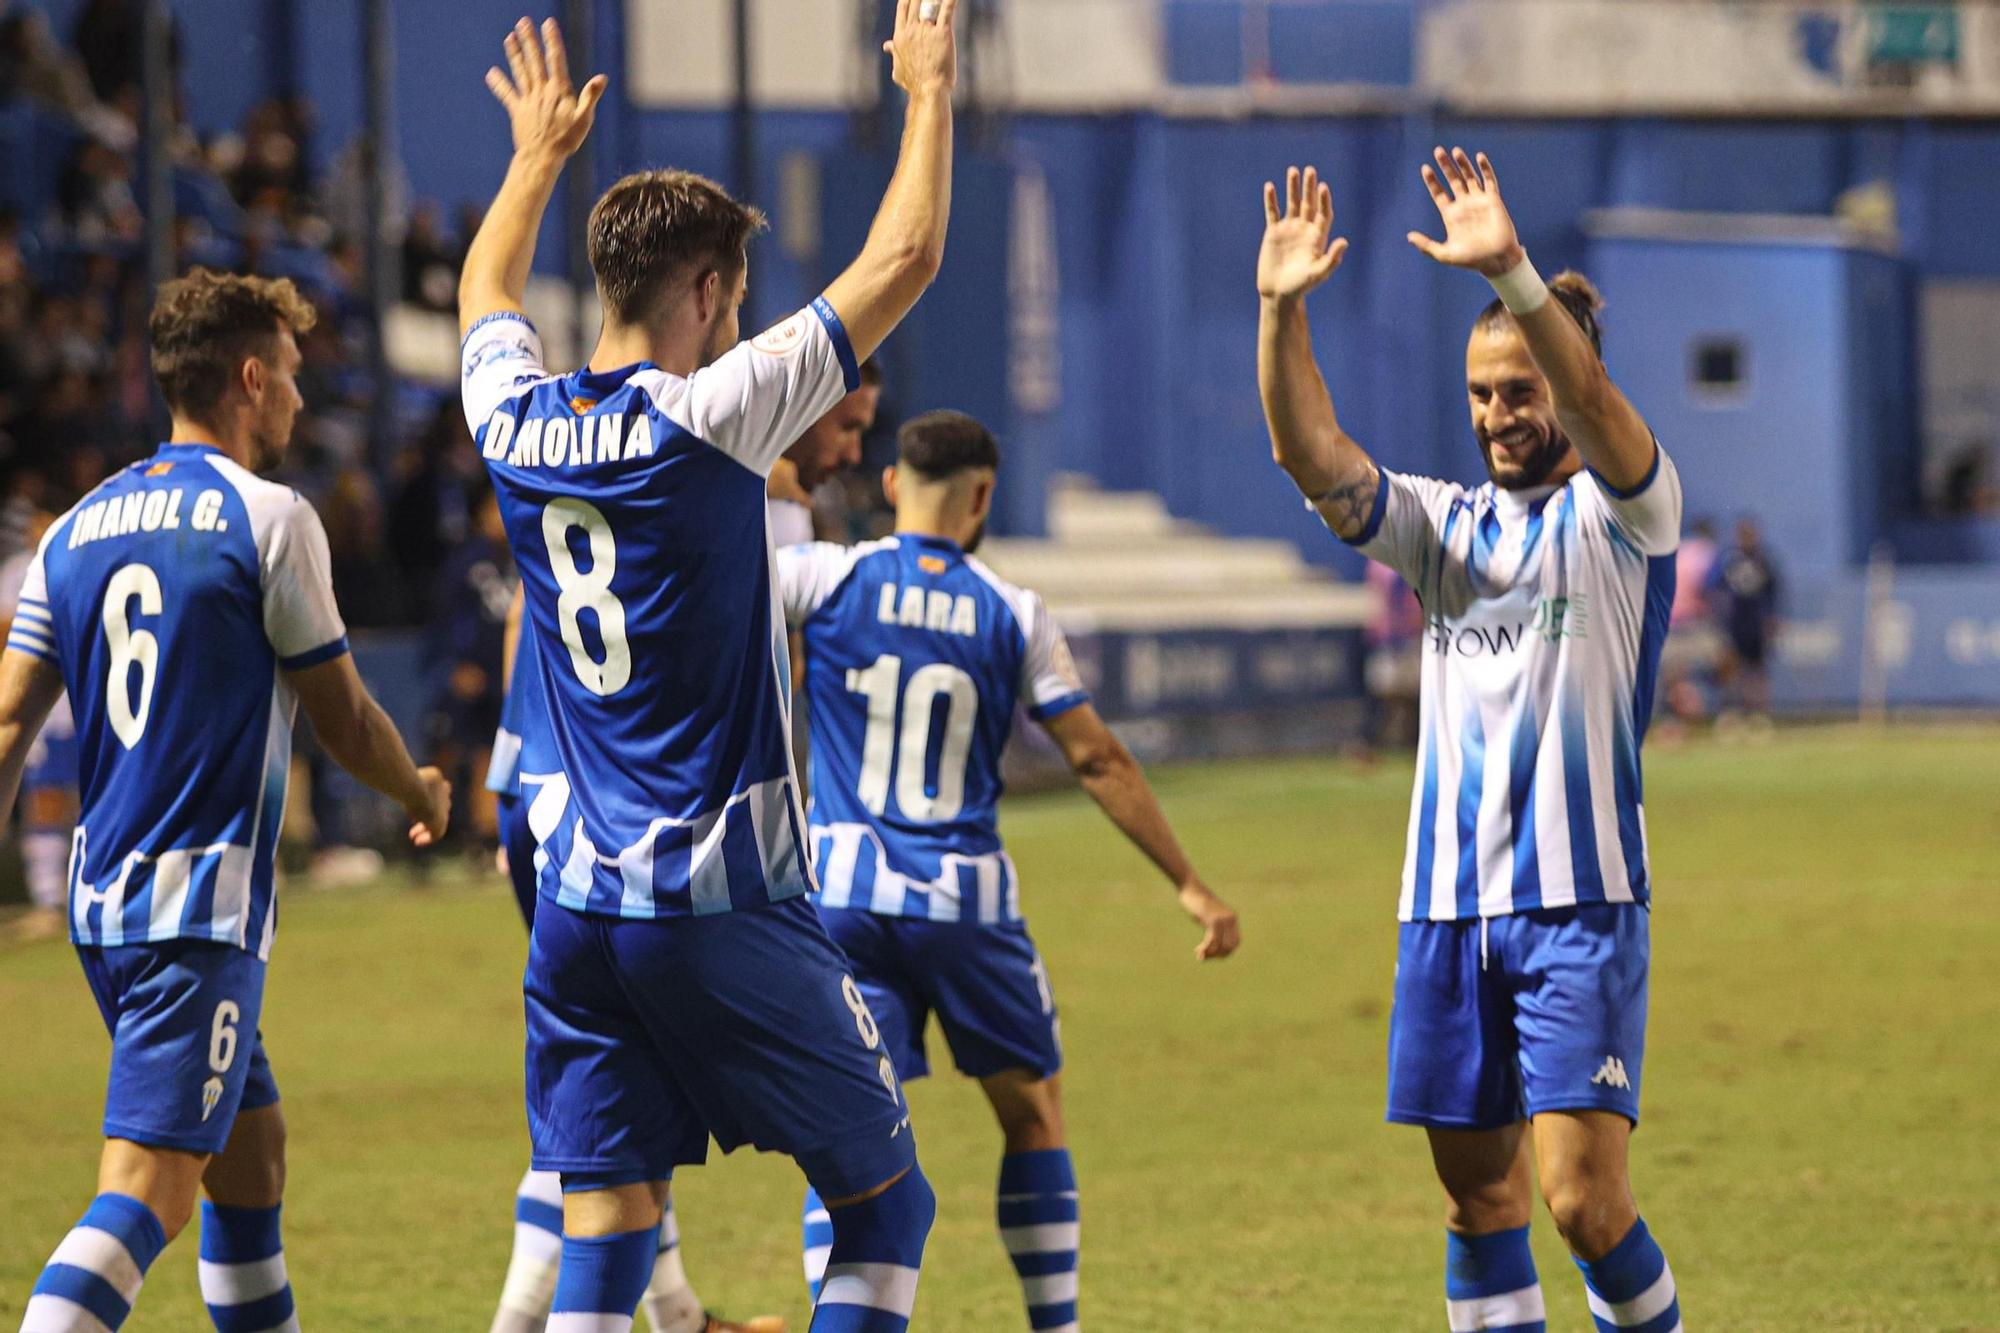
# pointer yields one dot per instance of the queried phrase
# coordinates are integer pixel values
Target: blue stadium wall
(1156, 224)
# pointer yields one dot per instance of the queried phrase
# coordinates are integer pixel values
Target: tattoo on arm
(1347, 506)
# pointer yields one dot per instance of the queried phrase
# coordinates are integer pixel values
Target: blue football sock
(243, 1271)
(602, 1279)
(878, 1246)
(1631, 1288)
(95, 1274)
(818, 1225)
(1038, 1225)
(1490, 1284)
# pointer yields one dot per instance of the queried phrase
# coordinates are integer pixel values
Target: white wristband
(1521, 289)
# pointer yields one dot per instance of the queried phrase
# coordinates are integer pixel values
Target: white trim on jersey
(1049, 680)
(295, 569)
(986, 889)
(761, 396)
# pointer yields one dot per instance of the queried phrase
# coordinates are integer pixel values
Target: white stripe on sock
(291, 1325)
(1502, 1311)
(890, 1287)
(819, 1215)
(103, 1254)
(1648, 1304)
(55, 1314)
(531, 1272)
(816, 1258)
(1050, 1289)
(239, 1284)
(571, 1321)
(1042, 1238)
(542, 1187)
(1070, 1327)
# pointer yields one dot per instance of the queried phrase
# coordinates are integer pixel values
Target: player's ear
(982, 496)
(253, 377)
(708, 295)
(889, 485)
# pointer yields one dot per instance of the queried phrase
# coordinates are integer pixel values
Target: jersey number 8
(589, 589)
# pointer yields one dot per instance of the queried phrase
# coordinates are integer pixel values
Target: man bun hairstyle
(206, 325)
(1577, 294)
(655, 229)
(941, 445)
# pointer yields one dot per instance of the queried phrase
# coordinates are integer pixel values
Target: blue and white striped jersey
(916, 655)
(171, 597)
(658, 773)
(1545, 612)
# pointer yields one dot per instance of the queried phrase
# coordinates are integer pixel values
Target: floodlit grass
(1821, 1149)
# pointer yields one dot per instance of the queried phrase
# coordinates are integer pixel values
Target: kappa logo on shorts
(1612, 1073)
(211, 1095)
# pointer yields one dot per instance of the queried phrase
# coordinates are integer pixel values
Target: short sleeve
(502, 353)
(807, 576)
(761, 396)
(1404, 528)
(300, 617)
(1648, 515)
(34, 629)
(1050, 685)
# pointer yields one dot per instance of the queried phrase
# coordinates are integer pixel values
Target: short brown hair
(207, 324)
(656, 226)
(1576, 294)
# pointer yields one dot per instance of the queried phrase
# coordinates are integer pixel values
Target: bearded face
(1513, 416)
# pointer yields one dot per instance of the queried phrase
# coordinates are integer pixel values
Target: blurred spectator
(430, 261)
(34, 67)
(465, 658)
(1744, 591)
(1394, 641)
(99, 203)
(110, 37)
(427, 517)
(1692, 644)
(1970, 488)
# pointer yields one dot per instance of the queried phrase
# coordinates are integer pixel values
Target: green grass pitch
(1821, 1147)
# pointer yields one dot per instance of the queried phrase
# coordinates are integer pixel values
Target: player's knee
(1479, 1208)
(1592, 1214)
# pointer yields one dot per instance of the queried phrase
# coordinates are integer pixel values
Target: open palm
(1296, 256)
(1478, 231)
(549, 115)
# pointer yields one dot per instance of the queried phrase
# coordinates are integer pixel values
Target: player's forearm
(1118, 785)
(502, 255)
(1613, 439)
(29, 688)
(1306, 438)
(365, 742)
(905, 246)
(510, 637)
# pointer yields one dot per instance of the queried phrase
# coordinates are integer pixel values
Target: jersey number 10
(881, 754)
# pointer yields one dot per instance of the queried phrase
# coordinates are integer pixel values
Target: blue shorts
(186, 1054)
(985, 983)
(646, 1037)
(519, 842)
(1548, 1014)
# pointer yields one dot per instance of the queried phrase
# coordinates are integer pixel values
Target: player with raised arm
(679, 983)
(1520, 1011)
(916, 658)
(187, 606)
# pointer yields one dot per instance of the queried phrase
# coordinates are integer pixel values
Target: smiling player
(1520, 1010)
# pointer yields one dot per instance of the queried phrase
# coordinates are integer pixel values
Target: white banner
(1700, 57)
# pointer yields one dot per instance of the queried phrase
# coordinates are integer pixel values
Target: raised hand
(924, 49)
(1478, 231)
(1220, 933)
(1296, 256)
(549, 115)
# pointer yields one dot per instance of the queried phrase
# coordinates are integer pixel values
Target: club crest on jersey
(927, 608)
(159, 469)
(211, 1096)
(583, 407)
(782, 339)
(931, 564)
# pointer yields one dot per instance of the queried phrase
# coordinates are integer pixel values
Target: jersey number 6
(590, 589)
(130, 647)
